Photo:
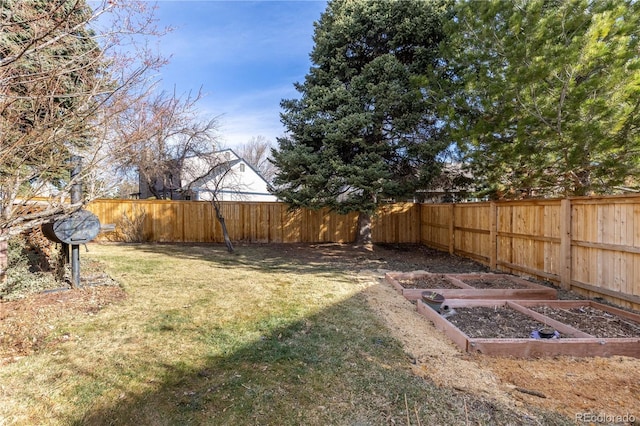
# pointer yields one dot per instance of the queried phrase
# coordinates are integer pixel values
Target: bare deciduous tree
(257, 153)
(159, 134)
(215, 173)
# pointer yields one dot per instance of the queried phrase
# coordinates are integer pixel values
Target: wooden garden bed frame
(580, 344)
(524, 289)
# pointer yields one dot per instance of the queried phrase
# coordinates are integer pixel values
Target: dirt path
(585, 387)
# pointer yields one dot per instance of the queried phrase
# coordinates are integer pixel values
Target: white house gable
(226, 174)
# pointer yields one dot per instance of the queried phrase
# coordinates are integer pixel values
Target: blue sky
(245, 55)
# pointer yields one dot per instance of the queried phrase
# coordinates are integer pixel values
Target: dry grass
(207, 337)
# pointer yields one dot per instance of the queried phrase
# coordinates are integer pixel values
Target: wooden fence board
(276, 229)
(397, 222)
(435, 225)
(606, 247)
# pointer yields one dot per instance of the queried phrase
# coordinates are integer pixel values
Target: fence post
(565, 244)
(452, 231)
(493, 236)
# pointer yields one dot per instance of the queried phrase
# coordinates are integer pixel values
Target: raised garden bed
(468, 286)
(505, 328)
(594, 319)
(497, 322)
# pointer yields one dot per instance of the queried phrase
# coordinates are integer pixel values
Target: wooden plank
(437, 246)
(529, 237)
(393, 281)
(530, 202)
(436, 225)
(262, 222)
(190, 221)
(470, 303)
(601, 267)
(275, 223)
(626, 239)
(236, 220)
(475, 230)
(452, 227)
(209, 223)
(530, 271)
(511, 220)
(450, 330)
(565, 261)
(581, 264)
(635, 299)
(292, 227)
(538, 247)
(607, 247)
(416, 226)
(634, 281)
(493, 236)
(577, 347)
(457, 280)
(607, 199)
(485, 294)
(470, 255)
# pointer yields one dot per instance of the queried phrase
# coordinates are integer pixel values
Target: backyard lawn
(190, 334)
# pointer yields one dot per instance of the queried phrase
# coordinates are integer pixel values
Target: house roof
(231, 162)
(245, 162)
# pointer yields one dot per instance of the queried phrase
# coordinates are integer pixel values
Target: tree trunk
(225, 233)
(62, 261)
(363, 235)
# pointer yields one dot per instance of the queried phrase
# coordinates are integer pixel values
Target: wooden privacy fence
(591, 243)
(195, 221)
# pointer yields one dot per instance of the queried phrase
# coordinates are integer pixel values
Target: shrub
(130, 227)
(29, 268)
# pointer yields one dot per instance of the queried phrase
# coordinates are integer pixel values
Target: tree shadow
(319, 258)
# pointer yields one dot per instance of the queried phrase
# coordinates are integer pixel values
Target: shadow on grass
(317, 258)
(338, 367)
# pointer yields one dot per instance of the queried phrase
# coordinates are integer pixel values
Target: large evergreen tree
(550, 99)
(50, 73)
(363, 129)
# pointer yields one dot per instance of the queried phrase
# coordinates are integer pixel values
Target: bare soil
(428, 282)
(26, 324)
(497, 283)
(568, 385)
(494, 322)
(592, 321)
